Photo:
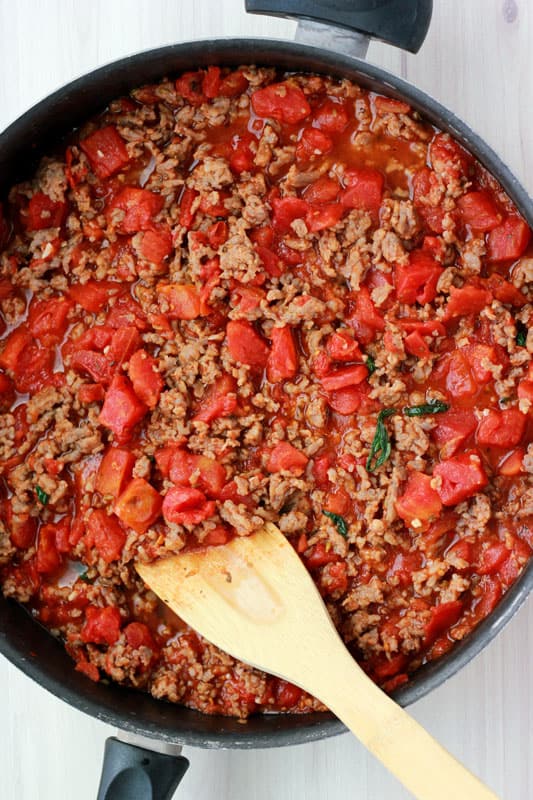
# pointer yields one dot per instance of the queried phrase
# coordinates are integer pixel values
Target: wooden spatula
(254, 599)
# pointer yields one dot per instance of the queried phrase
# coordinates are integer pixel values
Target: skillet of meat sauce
(247, 296)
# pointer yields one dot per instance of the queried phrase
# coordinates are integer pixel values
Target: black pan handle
(403, 23)
(130, 772)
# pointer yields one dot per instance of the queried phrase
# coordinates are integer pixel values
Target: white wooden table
(477, 60)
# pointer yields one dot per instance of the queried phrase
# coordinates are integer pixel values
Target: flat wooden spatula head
(254, 599)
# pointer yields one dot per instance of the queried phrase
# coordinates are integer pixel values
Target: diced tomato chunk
(341, 346)
(344, 377)
(114, 471)
(281, 101)
(156, 244)
(363, 317)
(22, 528)
(211, 82)
(220, 400)
(217, 234)
(443, 617)
(417, 282)
(448, 158)
(338, 501)
(480, 358)
(425, 328)
(48, 558)
(389, 105)
(492, 558)
(427, 195)
(242, 156)
(104, 532)
(106, 150)
(34, 368)
(491, 592)
(312, 143)
(419, 502)
(233, 84)
(17, 341)
(323, 190)
(479, 211)
(182, 301)
(318, 218)
(271, 262)
(364, 190)
(509, 240)
(94, 364)
(43, 212)
(245, 345)
(501, 428)
(7, 392)
(139, 505)
(460, 478)
(190, 87)
(186, 203)
(331, 117)
(345, 401)
(416, 345)
(140, 206)
(512, 463)
(124, 342)
(453, 429)
(145, 377)
(286, 210)
(467, 300)
(286, 457)
(504, 291)
(230, 492)
(186, 506)
(138, 635)
(282, 363)
(122, 409)
(320, 556)
(403, 566)
(93, 295)
(102, 625)
(47, 319)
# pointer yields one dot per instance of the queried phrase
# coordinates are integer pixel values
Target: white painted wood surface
(477, 60)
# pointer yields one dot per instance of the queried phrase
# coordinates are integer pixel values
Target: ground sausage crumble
(245, 296)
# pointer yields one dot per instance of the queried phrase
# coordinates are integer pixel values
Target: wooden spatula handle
(397, 740)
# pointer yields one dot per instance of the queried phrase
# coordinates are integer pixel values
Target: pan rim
(271, 52)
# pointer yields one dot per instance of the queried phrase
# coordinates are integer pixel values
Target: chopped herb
(41, 495)
(380, 449)
(338, 521)
(371, 364)
(521, 334)
(433, 407)
(85, 577)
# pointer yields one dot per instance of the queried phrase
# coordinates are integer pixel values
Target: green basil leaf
(370, 364)
(338, 521)
(433, 407)
(41, 495)
(521, 334)
(380, 448)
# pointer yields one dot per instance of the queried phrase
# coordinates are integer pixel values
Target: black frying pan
(131, 771)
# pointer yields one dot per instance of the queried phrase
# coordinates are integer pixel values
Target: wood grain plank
(480, 65)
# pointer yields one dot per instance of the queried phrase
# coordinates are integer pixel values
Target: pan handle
(130, 771)
(403, 23)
